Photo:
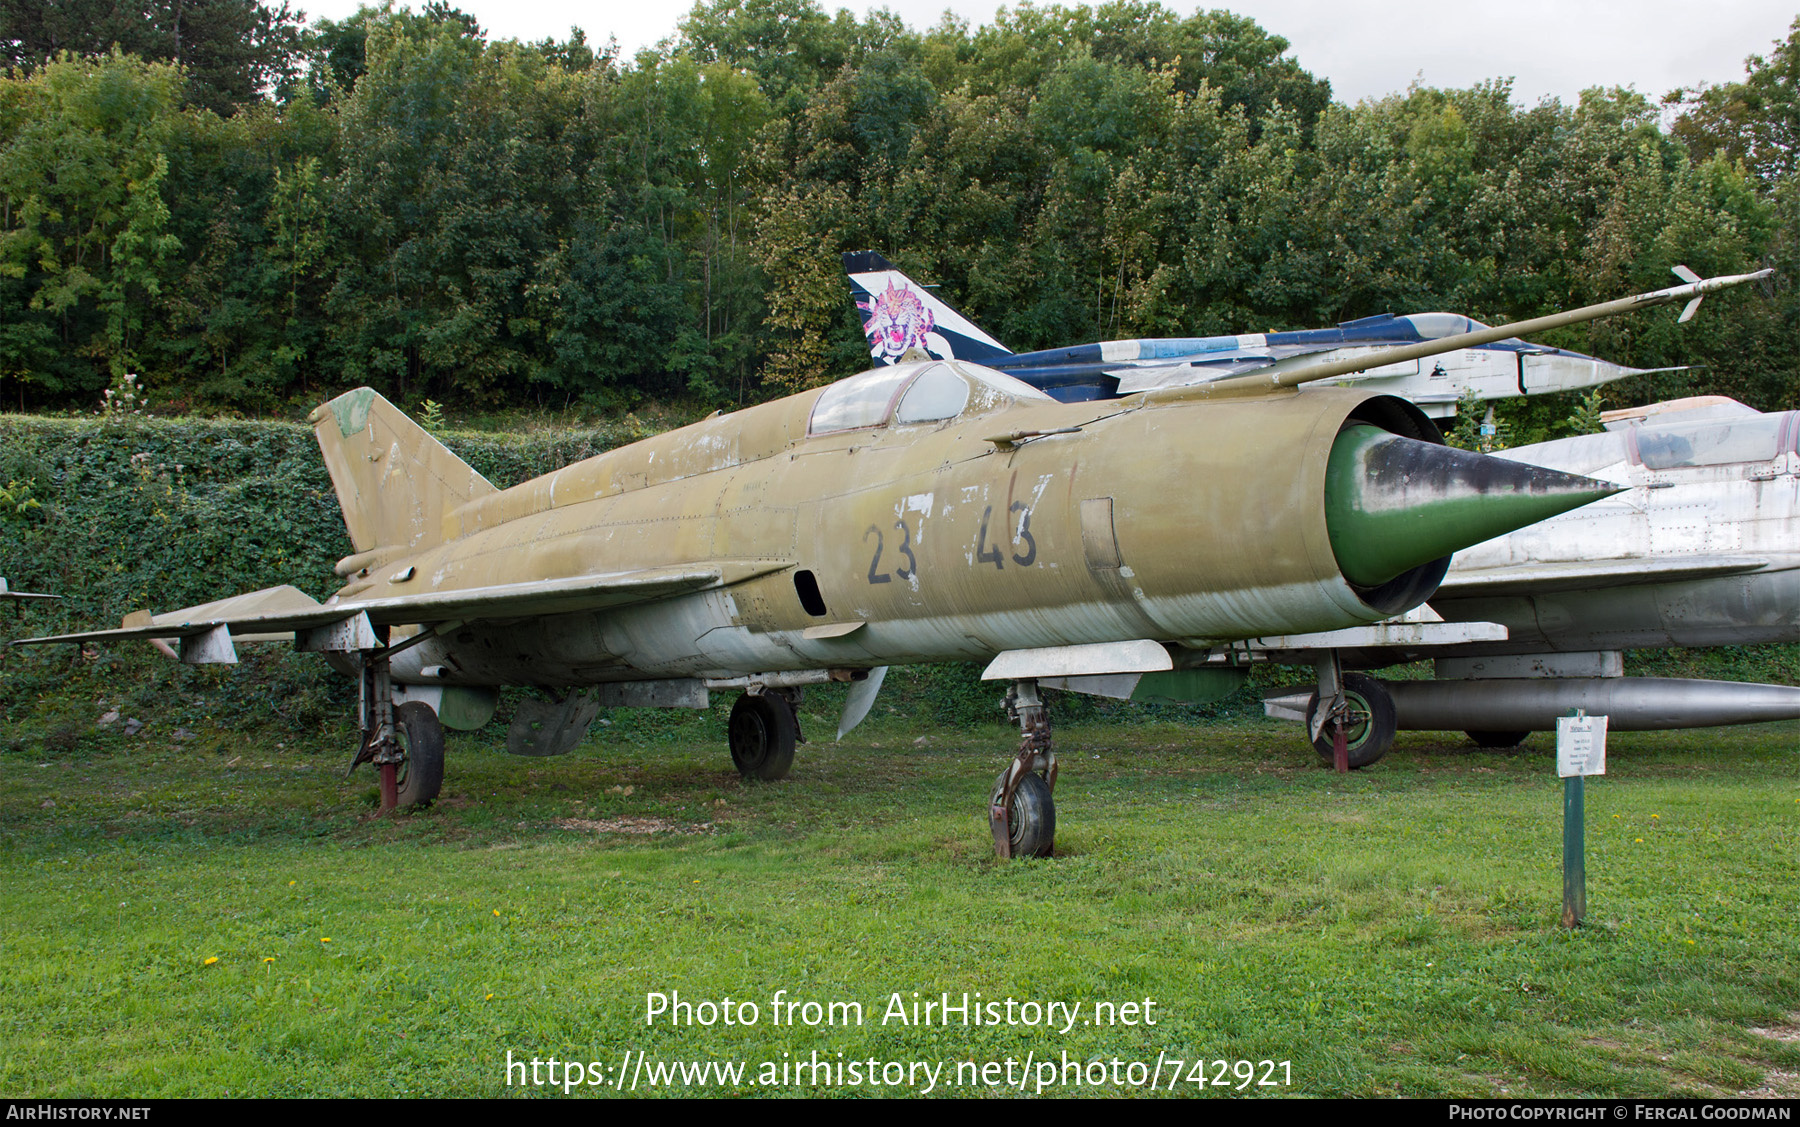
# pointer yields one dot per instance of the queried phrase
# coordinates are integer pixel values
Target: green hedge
(169, 513)
(117, 515)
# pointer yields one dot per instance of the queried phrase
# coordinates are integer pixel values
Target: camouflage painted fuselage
(1191, 522)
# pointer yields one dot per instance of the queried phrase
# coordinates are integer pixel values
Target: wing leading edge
(279, 612)
(1581, 574)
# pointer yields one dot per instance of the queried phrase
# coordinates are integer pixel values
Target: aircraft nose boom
(1394, 503)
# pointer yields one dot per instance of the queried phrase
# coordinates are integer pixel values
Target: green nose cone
(1394, 503)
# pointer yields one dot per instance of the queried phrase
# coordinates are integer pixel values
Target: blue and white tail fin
(898, 315)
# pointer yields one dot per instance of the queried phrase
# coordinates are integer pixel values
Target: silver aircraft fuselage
(1703, 549)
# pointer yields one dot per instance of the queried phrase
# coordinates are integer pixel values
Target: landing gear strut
(404, 742)
(1350, 718)
(1021, 810)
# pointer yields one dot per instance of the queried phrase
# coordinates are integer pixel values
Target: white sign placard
(1580, 746)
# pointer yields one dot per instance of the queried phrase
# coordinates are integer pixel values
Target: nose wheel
(1030, 822)
(1022, 807)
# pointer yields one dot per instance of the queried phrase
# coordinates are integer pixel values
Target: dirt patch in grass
(629, 826)
(1787, 1034)
(1776, 1085)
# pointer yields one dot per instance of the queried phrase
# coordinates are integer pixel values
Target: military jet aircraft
(1701, 549)
(898, 314)
(926, 511)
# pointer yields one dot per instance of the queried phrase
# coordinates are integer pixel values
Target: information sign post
(1580, 752)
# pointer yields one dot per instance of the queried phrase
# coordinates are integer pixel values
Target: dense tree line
(251, 213)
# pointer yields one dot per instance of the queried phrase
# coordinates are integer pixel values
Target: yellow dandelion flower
(327, 938)
(489, 998)
(210, 960)
(292, 883)
(496, 911)
(269, 959)
(1639, 840)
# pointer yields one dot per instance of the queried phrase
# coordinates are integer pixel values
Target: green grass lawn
(1390, 932)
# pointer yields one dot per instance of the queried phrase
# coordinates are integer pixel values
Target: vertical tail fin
(898, 314)
(394, 481)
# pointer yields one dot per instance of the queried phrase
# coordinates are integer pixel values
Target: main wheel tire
(1031, 817)
(421, 737)
(1371, 729)
(761, 735)
(1497, 739)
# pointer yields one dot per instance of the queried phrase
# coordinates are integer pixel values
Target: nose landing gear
(1022, 809)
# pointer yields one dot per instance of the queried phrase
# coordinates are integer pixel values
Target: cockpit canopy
(1437, 326)
(908, 394)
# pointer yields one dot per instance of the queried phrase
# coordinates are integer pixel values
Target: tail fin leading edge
(394, 481)
(898, 314)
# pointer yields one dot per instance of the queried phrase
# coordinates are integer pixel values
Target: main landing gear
(1022, 810)
(764, 727)
(1350, 718)
(405, 742)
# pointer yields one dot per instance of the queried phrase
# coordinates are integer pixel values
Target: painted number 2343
(1023, 544)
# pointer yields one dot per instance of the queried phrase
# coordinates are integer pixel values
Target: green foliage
(125, 401)
(16, 501)
(1585, 418)
(174, 512)
(230, 49)
(1755, 122)
(86, 232)
(1478, 425)
(432, 417)
(162, 513)
(168, 513)
(496, 223)
(790, 46)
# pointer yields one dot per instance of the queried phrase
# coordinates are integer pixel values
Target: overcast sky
(1551, 48)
